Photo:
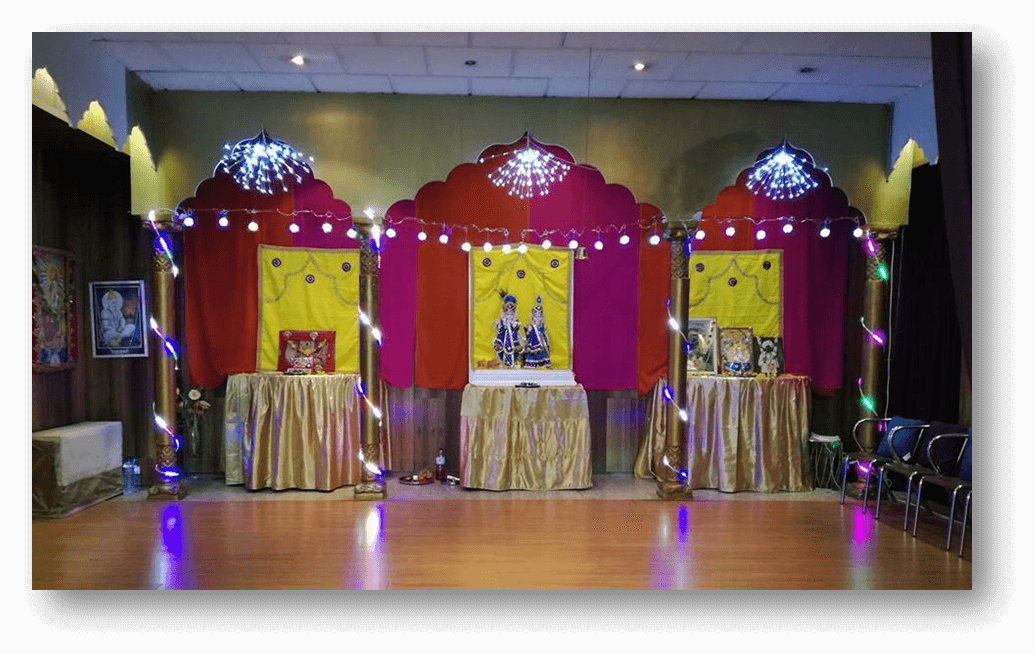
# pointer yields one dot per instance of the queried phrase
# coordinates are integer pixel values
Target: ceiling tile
(332, 38)
(275, 58)
(214, 57)
(812, 92)
(142, 36)
(737, 91)
(885, 44)
(884, 71)
(637, 88)
(700, 41)
(444, 39)
(618, 64)
(427, 85)
(394, 60)
(552, 63)
(351, 83)
(721, 68)
(517, 39)
(787, 69)
(875, 94)
(508, 86)
(492, 62)
(571, 87)
(239, 37)
(272, 82)
(609, 40)
(135, 55)
(193, 81)
(792, 42)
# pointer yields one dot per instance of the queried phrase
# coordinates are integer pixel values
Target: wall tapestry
(54, 337)
(118, 316)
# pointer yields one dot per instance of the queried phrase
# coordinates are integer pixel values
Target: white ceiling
(872, 67)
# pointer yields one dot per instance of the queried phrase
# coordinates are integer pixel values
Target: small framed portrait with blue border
(118, 319)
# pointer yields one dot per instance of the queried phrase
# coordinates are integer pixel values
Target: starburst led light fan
(529, 169)
(264, 164)
(783, 173)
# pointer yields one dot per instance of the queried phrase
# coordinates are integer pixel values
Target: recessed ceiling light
(470, 62)
(298, 60)
(639, 66)
(806, 69)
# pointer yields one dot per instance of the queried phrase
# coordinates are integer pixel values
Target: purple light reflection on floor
(170, 568)
(863, 532)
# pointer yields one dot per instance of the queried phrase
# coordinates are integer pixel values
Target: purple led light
(871, 247)
(667, 393)
(877, 336)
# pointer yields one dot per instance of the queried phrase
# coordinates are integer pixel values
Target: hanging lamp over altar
(783, 173)
(528, 169)
(265, 164)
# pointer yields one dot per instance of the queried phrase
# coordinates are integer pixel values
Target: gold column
(166, 479)
(875, 315)
(370, 486)
(671, 485)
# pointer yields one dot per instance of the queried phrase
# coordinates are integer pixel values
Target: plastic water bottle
(127, 477)
(136, 474)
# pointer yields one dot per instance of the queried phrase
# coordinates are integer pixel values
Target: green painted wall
(374, 149)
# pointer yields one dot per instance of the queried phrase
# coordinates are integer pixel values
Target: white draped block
(84, 449)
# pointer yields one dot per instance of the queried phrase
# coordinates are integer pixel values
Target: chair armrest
(855, 429)
(891, 439)
(930, 445)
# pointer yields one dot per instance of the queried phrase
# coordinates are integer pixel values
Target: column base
(175, 491)
(371, 490)
(668, 490)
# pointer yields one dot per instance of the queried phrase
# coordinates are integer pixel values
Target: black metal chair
(904, 464)
(955, 477)
(870, 463)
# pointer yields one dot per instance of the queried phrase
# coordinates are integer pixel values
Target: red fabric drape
(654, 279)
(221, 271)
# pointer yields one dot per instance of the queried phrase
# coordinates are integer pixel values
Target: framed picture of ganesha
(520, 307)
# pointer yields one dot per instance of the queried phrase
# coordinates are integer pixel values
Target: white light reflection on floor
(672, 563)
(170, 567)
(368, 568)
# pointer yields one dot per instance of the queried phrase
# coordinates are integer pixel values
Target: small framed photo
(701, 352)
(737, 351)
(117, 315)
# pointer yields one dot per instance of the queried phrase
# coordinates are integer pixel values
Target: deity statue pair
(517, 347)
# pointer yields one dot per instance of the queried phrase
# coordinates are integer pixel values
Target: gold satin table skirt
(283, 431)
(525, 438)
(743, 433)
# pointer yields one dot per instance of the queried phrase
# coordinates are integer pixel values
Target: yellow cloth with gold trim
(739, 289)
(308, 289)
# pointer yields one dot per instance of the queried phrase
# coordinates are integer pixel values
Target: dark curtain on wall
(924, 379)
(951, 63)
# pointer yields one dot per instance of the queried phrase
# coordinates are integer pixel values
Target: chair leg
(844, 478)
(880, 488)
(916, 513)
(866, 491)
(963, 531)
(909, 494)
(952, 519)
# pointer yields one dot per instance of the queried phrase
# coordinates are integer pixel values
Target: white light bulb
(466, 247)
(390, 232)
(788, 228)
(573, 244)
(730, 231)
(223, 221)
(673, 324)
(422, 235)
(654, 239)
(443, 238)
(624, 240)
(547, 244)
(857, 232)
(375, 232)
(599, 244)
(253, 226)
(759, 235)
(699, 235)
(522, 248)
(506, 248)
(487, 247)
(327, 228)
(188, 221)
(351, 233)
(293, 228)
(683, 415)
(824, 232)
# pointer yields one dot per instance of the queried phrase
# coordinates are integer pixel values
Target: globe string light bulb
(326, 227)
(487, 247)
(390, 232)
(573, 244)
(654, 239)
(188, 220)
(352, 233)
(264, 164)
(224, 221)
(547, 244)
(506, 248)
(599, 244)
(466, 247)
(699, 235)
(824, 231)
(783, 173)
(760, 235)
(788, 228)
(443, 238)
(529, 171)
(253, 226)
(624, 240)
(293, 228)
(522, 248)
(422, 235)
(730, 231)
(858, 231)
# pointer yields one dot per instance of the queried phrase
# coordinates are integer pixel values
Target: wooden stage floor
(497, 544)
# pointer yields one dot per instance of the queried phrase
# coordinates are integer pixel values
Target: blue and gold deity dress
(537, 341)
(510, 339)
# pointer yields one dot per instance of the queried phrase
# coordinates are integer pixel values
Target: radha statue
(537, 348)
(510, 340)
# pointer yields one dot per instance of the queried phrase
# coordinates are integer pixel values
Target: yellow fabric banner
(538, 273)
(308, 289)
(739, 289)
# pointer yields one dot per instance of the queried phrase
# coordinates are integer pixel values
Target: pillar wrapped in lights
(671, 473)
(873, 398)
(371, 485)
(167, 481)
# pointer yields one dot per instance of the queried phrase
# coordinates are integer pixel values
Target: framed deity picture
(54, 312)
(118, 317)
(701, 353)
(737, 351)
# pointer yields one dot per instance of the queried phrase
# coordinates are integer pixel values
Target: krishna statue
(510, 339)
(537, 341)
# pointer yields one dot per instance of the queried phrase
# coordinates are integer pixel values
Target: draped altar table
(283, 431)
(743, 433)
(525, 438)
